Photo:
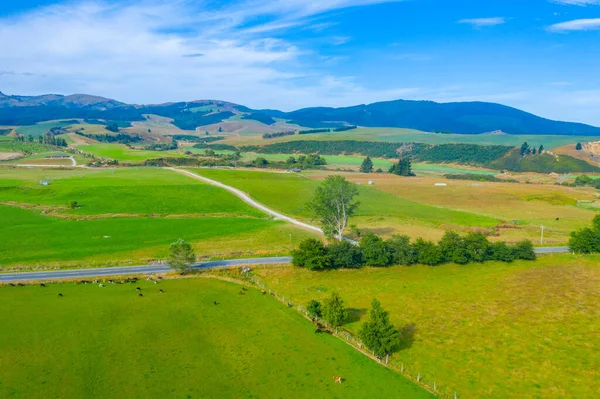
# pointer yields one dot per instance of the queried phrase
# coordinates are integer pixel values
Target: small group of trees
(578, 147)
(526, 149)
(584, 181)
(378, 334)
(313, 131)
(399, 250)
(402, 168)
(305, 162)
(586, 240)
(367, 165)
(47, 139)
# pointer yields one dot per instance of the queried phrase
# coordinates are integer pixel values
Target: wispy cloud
(577, 2)
(483, 22)
(576, 25)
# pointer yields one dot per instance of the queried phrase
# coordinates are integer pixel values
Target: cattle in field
(60, 295)
(338, 379)
(140, 294)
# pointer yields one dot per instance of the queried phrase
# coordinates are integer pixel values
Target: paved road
(150, 269)
(552, 250)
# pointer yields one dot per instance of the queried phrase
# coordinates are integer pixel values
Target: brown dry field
(532, 205)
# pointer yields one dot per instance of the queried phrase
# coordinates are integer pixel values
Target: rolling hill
(428, 116)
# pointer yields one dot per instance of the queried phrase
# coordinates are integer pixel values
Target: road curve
(149, 269)
(246, 198)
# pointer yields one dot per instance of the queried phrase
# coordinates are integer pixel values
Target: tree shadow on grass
(407, 336)
(355, 315)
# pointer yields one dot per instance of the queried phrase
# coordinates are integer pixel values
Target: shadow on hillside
(407, 336)
(355, 315)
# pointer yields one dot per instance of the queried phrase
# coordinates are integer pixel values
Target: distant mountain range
(428, 116)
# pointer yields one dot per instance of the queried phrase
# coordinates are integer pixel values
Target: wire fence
(421, 379)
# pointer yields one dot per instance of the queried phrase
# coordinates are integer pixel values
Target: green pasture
(125, 154)
(110, 343)
(41, 128)
(526, 330)
(289, 194)
(145, 191)
(29, 238)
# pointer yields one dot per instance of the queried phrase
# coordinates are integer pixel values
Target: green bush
(312, 255)
(345, 255)
(401, 252)
(374, 250)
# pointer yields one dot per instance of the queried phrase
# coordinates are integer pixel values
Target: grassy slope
(109, 343)
(289, 193)
(39, 129)
(523, 330)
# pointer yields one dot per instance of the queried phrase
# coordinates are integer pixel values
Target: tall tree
(378, 334)
(333, 310)
(333, 204)
(541, 149)
(525, 149)
(181, 256)
(367, 165)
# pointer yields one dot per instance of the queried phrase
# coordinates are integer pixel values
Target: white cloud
(149, 52)
(483, 22)
(576, 25)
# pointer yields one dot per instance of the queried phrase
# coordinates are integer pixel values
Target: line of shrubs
(278, 134)
(398, 250)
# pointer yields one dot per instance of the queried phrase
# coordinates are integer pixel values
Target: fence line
(347, 337)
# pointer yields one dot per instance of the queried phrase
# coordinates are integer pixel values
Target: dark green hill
(429, 116)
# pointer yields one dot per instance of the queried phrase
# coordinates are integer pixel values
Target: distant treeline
(162, 146)
(196, 139)
(119, 124)
(479, 177)
(120, 138)
(313, 131)
(216, 147)
(278, 134)
(442, 153)
(344, 128)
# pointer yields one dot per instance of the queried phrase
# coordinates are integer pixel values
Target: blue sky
(542, 56)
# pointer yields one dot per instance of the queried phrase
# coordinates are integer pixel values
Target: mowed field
(524, 330)
(125, 154)
(415, 206)
(127, 216)
(110, 343)
(414, 136)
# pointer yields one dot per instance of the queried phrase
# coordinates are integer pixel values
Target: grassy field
(127, 216)
(415, 136)
(377, 208)
(39, 129)
(146, 191)
(417, 207)
(532, 205)
(126, 154)
(525, 330)
(110, 343)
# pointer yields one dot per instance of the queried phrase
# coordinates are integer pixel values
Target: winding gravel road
(246, 198)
